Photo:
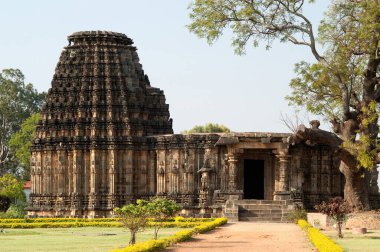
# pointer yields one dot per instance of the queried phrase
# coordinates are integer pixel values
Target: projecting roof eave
(264, 137)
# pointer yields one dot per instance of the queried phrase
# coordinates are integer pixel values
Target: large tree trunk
(356, 185)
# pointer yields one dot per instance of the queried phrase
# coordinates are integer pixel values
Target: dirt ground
(369, 220)
(249, 236)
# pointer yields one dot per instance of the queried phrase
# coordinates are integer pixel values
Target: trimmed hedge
(92, 224)
(35, 220)
(320, 241)
(159, 244)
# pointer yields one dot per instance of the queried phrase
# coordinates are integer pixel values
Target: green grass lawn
(369, 242)
(72, 239)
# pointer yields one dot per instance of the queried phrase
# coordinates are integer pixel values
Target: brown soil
(369, 220)
(249, 236)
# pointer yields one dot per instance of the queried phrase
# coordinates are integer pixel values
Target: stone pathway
(249, 236)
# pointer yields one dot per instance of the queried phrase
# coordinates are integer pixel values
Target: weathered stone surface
(105, 139)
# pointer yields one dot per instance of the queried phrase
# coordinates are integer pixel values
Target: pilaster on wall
(77, 171)
(94, 172)
(282, 180)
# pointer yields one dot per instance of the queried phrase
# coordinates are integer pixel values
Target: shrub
(17, 210)
(298, 213)
(160, 244)
(134, 217)
(337, 209)
(161, 209)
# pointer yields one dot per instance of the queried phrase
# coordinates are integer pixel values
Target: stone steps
(263, 210)
(260, 219)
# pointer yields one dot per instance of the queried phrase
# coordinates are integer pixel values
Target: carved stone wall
(105, 139)
(91, 152)
(315, 173)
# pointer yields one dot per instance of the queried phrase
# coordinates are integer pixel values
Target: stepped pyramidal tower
(99, 104)
(106, 139)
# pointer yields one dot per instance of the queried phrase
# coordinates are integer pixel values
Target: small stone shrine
(106, 139)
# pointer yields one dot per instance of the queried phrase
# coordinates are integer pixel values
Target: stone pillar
(225, 177)
(232, 161)
(283, 169)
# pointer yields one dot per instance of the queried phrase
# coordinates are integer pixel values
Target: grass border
(180, 236)
(322, 242)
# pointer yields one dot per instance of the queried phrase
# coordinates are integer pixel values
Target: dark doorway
(253, 179)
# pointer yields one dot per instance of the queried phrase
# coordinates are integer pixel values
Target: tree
(343, 84)
(134, 217)
(11, 188)
(21, 141)
(18, 101)
(207, 128)
(337, 209)
(161, 209)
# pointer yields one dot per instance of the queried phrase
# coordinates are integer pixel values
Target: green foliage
(21, 141)
(18, 101)
(160, 244)
(207, 128)
(15, 211)
(298, 213)
(134, 217)
(11, 187)
(319, 240)
(251, 22)
(333, 87)
(161, 209)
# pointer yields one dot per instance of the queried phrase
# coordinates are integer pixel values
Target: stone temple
(106, 139)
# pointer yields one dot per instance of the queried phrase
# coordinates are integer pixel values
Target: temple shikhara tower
(106, 139)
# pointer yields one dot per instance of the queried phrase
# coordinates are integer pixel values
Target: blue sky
(202, 83)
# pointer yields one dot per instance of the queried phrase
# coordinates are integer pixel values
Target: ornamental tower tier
(99, 107)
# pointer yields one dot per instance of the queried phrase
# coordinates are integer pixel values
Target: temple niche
(106, 139)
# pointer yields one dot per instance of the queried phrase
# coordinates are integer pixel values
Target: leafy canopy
(342, 85)
(161, 209)
(134, 217)
(18, 101)
(21, 141)
(253, 22)
(11, 187)
(207, 128)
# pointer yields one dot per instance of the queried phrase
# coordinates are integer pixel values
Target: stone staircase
(264, 210)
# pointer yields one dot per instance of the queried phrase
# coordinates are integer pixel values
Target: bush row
(93, 224)
(320, 241)
(45, 220)
(159, 244)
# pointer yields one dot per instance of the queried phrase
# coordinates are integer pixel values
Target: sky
(202, 83)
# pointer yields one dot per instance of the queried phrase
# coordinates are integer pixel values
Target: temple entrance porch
(256, 174)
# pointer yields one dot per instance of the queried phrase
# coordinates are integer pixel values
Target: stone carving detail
(106, 139)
